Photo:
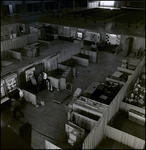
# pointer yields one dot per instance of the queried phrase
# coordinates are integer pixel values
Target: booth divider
(67, 53)
(98, 132)
(124, 138)
(126, 107)
(30, 97)
(17, 43)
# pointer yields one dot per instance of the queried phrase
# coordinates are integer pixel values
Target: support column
(2, 9)
(74, 7)
(32, 7)
(14, 9)
(24, 7)
(58, 5)
(42, 6)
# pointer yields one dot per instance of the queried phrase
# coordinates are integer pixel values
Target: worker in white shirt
(21, 95)
(44, 79)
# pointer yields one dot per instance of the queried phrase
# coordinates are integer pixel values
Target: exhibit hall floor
(48, 122)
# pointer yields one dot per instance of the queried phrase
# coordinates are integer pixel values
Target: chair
(68, 87)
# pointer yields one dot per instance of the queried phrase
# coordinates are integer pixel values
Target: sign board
(29, 73)
(11, 82)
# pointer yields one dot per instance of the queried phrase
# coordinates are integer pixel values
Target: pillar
(74, 7)
(2, 9)
(24, 8)
(58, 5)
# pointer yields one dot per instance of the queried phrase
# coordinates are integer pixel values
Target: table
(117, 74)
(92, 88)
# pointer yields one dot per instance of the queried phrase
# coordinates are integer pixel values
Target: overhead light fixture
(107, 3)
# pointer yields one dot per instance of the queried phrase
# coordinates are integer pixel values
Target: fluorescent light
(113, 35)
(107, 3)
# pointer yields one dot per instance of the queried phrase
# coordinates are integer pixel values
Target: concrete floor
(48, 121)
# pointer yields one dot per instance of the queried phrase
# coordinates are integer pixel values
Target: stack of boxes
(73, 137)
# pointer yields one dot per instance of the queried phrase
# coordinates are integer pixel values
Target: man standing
(44, 79)
(34, 84)
(16, 106)
(40, 80)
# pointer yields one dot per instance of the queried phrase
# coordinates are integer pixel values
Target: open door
(128, 46)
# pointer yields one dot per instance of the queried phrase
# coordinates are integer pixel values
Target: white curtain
(60, 30)
(29, 97)
(32, 38)
(66, 31)
(51, 63)
(122, 42)
(5, 46)
(97, 133)
(67, 53)
(49, 145)
(16, 43)
(138, 43)
(83, 121)
(124, 138)
(13, 27)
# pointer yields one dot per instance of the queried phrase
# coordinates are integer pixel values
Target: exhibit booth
(99, 131)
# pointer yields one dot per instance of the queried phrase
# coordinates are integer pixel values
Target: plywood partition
(98, 132)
